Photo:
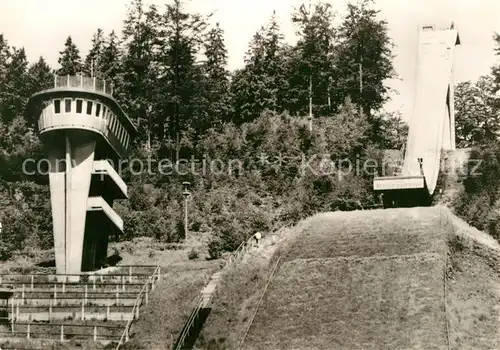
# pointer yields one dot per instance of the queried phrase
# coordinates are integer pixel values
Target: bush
(479, 202)
(5, 251)
(229, 236)
(193, 254)
(263, 194)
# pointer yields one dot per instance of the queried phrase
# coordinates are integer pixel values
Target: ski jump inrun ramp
(432, 123)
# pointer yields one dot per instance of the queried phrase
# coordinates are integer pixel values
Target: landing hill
(392, 279)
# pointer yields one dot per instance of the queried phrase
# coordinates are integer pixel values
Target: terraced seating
(96, 307)
(66, 331)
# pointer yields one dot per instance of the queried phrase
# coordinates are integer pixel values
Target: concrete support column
(67, 195)
(82, 156)
(58, 202)
(70, 176)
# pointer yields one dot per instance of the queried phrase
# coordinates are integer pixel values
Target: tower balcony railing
(86, 83)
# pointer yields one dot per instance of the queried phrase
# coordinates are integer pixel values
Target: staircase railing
(239, 252)
(199, 302)
(260, 302)
(138, 301)
(246, 245)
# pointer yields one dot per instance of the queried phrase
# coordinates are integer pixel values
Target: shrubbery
(479, 203)
(268, 186)
(184, 102)
(275, 179)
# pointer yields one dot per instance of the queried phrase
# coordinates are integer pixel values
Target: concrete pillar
(69, 191)
(58, 201)
(82, 153)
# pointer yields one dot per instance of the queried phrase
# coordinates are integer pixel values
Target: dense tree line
(175, 96)
(169, 72)
(169, 69)
(477, 107)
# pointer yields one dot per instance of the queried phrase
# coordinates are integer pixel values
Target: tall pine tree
(40, 77)
(495, 70)
(4, 62)
(182, 107)
(262, 84)
(216, 84)
(4, 58)
(140, 70)
(69, 59)
(365, 57)
(92, 64)
(111, 57)
(274, 65)
(313, 74)
(16, 89)
(495, 73)
(111, 66)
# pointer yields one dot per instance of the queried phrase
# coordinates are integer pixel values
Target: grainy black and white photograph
(250, 174)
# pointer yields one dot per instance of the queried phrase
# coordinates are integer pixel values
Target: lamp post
(186, 194)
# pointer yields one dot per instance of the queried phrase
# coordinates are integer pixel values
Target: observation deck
(85, 103)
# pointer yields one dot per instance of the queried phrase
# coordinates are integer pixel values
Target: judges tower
(82, 127)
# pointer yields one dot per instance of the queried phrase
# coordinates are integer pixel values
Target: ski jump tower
(82, 127)
(432, 123)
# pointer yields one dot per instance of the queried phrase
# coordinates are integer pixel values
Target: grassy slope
(169, 307)
(341, 303)
(236, 298)
(233, 307)
(171, 302)
(474, 272)
(368, 233)
(370, 279)
(473, 289)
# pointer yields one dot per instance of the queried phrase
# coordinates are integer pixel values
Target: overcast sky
(42, 27)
